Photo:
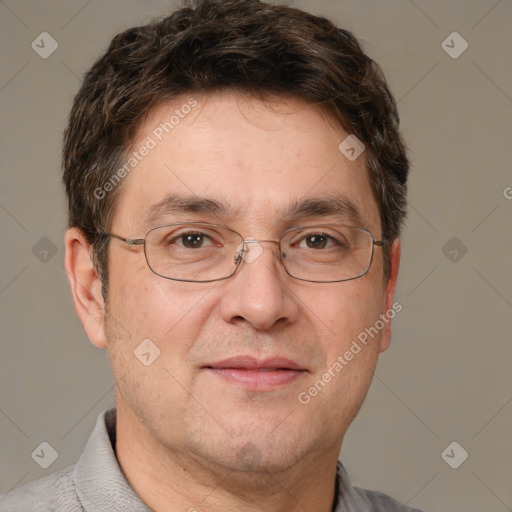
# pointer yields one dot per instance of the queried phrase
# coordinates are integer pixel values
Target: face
(239, 357)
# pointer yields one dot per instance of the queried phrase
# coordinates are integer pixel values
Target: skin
(188, 439)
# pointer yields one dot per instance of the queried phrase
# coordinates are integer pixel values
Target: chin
(259, 453)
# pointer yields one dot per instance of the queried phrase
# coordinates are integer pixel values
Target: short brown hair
(211, 45)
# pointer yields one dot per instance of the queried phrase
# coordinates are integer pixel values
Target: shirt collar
(98, 479)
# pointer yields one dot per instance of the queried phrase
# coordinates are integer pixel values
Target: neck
(167, 479)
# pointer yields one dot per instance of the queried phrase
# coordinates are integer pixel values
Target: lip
(251, 363)
(257, 374)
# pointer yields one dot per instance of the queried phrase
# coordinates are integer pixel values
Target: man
(236, 183)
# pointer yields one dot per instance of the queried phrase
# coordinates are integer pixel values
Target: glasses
(202, 253)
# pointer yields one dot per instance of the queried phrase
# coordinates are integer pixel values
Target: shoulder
(356, 499)
(379, 502)
(54, 492)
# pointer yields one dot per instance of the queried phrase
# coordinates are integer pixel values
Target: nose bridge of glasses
(245, 252)
(254, 241)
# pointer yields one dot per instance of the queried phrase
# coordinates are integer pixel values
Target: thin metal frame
(238, 255)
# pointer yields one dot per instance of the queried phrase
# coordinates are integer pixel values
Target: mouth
(256, 374)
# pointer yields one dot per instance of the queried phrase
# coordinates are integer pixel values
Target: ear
(85, 286)
(389, 294)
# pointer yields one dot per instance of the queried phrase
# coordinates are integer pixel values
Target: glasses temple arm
(127, 241)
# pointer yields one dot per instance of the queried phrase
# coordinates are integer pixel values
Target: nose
(259, 293)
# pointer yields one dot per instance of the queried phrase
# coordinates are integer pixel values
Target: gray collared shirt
(97, 484)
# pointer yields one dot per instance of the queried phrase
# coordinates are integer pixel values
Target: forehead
(259, 160)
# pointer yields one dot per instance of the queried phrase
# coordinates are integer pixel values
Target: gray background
(447, 374)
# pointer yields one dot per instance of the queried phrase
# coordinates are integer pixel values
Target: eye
(195, 240)
(317, 241)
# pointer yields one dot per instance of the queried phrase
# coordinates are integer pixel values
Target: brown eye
(192, 240)
(317, 241)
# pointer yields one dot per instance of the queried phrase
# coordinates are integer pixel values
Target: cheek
(169, 313)
(153, 322)
(345, 310)
(344, 318)
(143, 303)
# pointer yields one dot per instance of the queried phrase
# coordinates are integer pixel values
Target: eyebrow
(177, 204)
(331, 205)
